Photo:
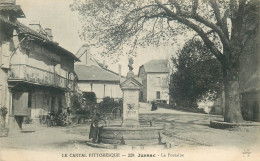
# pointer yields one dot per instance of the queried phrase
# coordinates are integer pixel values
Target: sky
(65, 25)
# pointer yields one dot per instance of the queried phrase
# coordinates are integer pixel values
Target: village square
(125, 87)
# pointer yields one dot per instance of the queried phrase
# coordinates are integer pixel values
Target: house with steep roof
(154, 75)
(96, 77)
(36, 74)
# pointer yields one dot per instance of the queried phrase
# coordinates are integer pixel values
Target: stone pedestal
(130, 88)
(131, 132)
(130, 107)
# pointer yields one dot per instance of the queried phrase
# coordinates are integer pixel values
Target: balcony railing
(36, 75)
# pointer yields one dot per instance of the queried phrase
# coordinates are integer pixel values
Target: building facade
(96, 77)
(155, 86)
(249, 78)
(37, 74)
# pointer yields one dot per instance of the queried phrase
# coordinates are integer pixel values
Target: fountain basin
(137, 135)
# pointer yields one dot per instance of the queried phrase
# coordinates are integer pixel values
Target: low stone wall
(141, 135)
(225, 125)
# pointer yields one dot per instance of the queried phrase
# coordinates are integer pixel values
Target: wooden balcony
(34, 75)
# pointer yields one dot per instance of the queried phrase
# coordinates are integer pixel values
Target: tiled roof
(22, 29)
(82, 50)
(94, 73)
(156, 66)
(12, 8)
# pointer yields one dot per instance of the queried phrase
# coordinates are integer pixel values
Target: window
(164, 82)
(158, 95)
(158, 81)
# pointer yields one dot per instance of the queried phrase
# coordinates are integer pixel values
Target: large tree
(224, 26)
(197, 75)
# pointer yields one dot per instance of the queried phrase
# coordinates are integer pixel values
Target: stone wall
(250, 106)
(157, 82)
(249, 78)
(5, 33)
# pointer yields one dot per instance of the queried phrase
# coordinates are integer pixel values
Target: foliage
(78, 104)
(198, 75)
(28, 120)
(90, 96)
(223, 26)
(90, 100)
(3, 111)
(108, 104)
(117, 24)
(83, 103)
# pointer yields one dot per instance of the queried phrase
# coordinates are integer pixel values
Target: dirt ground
(181, 130)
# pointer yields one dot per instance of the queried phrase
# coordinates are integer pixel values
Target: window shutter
(5, 54)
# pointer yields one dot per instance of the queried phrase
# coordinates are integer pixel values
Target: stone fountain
(130, 132)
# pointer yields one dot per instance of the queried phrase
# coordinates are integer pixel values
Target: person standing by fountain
(94, 127)
(131, 132)
(94, 130)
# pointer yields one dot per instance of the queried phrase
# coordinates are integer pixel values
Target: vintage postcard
(129, 80)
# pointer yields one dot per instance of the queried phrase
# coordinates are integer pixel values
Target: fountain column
(131, 132)
(130, 88)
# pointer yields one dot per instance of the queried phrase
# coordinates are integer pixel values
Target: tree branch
(222, 25)
(196, 28)
(195, 6)
(233, 8)
(214, 27)
(177, 6)
(224, 39)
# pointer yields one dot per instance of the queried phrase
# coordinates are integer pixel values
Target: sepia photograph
(130, 80)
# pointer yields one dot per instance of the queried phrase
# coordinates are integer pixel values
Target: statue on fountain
(130, 74)
(130, 64)
(128, 131)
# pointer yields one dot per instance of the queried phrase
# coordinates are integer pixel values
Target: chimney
(119, 70)
(49, 33)
(35, 25)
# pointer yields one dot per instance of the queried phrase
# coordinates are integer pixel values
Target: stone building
(36, 74)
(155, 84)
(96, 77)
(249, 78)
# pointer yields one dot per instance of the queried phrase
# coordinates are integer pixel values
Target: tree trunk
(232, 97)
